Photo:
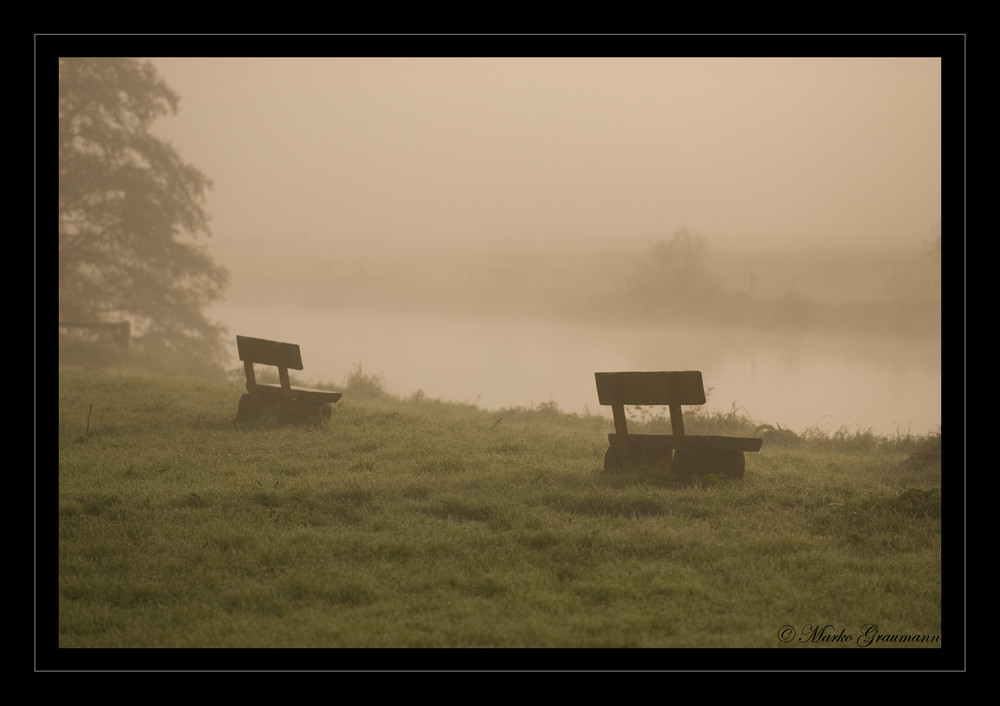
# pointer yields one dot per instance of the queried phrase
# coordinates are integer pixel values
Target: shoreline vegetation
(893, 292)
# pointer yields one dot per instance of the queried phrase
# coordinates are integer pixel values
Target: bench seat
(273, 391)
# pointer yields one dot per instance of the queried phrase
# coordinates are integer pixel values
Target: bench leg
(291, 412)
(245, 409)
(296, 411)
(705, 461)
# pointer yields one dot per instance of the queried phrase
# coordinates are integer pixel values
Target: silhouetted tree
(676, 267)
(131, 210)
(680, 263)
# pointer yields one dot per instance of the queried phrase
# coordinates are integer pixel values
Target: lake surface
(798, 381)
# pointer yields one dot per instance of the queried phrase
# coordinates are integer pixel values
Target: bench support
(683, 462)
(615, 461)
(284, 411)
(688, 462)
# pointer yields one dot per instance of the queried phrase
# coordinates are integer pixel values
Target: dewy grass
(413, 523)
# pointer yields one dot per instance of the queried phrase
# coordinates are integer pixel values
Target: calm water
(797, 381)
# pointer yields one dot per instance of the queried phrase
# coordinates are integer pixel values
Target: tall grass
(417, 523)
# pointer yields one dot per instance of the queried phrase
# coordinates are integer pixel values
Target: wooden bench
(290, 402)
(678, 451)
(121, 331)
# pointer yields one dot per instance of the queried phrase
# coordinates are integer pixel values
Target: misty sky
(406, 153)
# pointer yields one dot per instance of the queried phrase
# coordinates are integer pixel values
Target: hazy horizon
(396, 155)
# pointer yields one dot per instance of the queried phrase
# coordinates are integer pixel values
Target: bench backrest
(672, 388)
(259, 350)
(666, 388)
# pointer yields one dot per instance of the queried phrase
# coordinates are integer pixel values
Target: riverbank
(836, 291)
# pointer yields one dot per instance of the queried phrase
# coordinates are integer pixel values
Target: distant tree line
(671, 283)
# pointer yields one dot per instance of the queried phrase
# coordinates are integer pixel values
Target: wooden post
(621, 423)
(286, 383)
(252, 391)
(124, 333)
(676, 420)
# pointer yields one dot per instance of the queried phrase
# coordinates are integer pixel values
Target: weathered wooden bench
(290, 402)
(120, 331)
(679, 452)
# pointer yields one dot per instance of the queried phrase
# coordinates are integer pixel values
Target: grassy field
(416, 523)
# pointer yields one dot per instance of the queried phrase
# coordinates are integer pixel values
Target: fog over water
(325, 170)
